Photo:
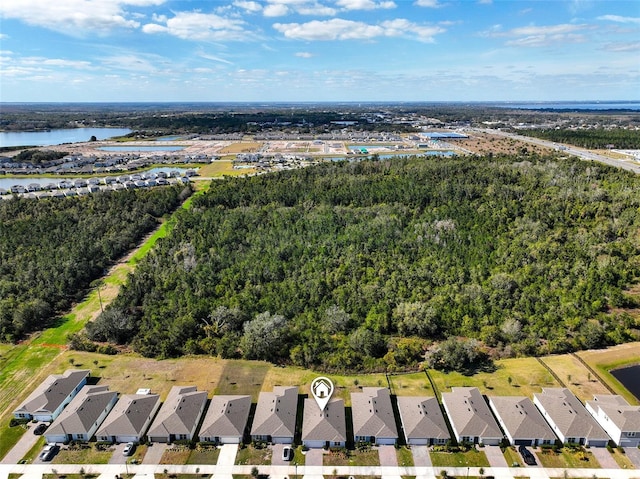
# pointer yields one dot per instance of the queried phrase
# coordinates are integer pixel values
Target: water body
(141, 148)
(57, 137)
(630, 379)
(615, 105)
(6, 183)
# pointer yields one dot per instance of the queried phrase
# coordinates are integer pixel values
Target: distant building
(373, 418)
(616, 416)
(470, 416)
(226, 419)
(50, 398)
(422, 420)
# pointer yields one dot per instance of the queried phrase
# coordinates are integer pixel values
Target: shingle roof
(469, 413)
(569, 415)
(521, 418)
(373, 414)
(276, 413)
(83, 411)
(326, 425)
(422, 418)
(53, 391)
(226, 417)
(129, 415)
(625, 416)
(179, 413)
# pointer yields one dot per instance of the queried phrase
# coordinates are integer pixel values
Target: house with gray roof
(422, 420)
(616, 416)
(275, 417)
(470, 417)
(226, 419)
(373, 418)
(81, 418)
(49, 399)
(568, 418)
(129, 419)
(521, 422)
(179, 415)
(324, 428)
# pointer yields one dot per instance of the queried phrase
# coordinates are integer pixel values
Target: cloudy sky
(319, 50)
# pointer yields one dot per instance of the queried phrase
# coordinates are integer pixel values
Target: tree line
(596, 138)
(362, 266)
(52, 249)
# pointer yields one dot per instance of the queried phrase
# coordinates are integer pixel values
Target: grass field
(205, 456)
(250, 455)
(473, 458)
(604, 360)
(405, 457)
(175, 456)
(241, 147)
(82, 456)
(221, 168)
(567, 458)
(512, 457)
(359, 458)
(575, 376)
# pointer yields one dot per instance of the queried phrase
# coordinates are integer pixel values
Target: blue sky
(319, 50)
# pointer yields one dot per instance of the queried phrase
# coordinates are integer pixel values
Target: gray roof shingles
(373, 414)
(422, 418)
(521, 418)
(83, 411)
(226, 417)
(469, 413)
(179, 413)
(276, 413)
(53, 391)
(327, 425)
(129, 415)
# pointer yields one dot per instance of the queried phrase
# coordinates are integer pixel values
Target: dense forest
(361, 266)
(51, 249)
(600, 138)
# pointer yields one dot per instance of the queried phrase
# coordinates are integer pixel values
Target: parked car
(129, 448)
(49, 451)
(287, 453)
(40, 429)
(528, 457)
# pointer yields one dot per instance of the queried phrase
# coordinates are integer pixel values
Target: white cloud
(623, 47)
(3, 36)
(546, 40)
(427, 3)
(620, 19)
(280, 8)
(75, 17)
(249, 6)
(304, 55)
(215, 58)
(276, 10)
(365, 4)
(539, 36)
(340, 29)
(201, 27)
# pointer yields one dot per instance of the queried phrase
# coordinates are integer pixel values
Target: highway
(581, 153)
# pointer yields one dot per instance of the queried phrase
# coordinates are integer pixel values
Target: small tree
(509, 380)
(72, 361)
(569, 378)
(255, 472)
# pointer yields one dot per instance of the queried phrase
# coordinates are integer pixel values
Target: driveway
(387, 455)
(495, 456)
(604, 457)
(22, 447)
(276, 456)
(313, 457)
(421, 456)
(227, 456)
(154, 453)
(633, 453)
(118, 457)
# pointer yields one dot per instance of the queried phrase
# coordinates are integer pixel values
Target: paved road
(629, 165)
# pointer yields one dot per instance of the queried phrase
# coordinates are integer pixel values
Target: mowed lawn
(575, 376)
(221, 168)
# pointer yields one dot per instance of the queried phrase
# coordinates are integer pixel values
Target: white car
(49, 451)
(287, 453)
(128, 449)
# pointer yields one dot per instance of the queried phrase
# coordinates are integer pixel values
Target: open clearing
(575, 376)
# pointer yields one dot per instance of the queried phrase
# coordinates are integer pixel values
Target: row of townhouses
(79, 412)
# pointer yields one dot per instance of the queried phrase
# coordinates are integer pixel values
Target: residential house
(470, 417)
(521, 422)
(275, 417)
(179, 415)
(423, 421)
(617, 417)
(226, 419)
(324, 428)
(80, 420)
(129, 419)
(373, 418)
(49, 399)
(568, 418)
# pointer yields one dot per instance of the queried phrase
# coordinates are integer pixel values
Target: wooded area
(360, 266)
(52, 249)
(620, 138)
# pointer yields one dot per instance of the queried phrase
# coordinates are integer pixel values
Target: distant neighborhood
(80, 412)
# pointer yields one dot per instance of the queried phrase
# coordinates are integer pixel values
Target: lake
(57, 137)
(630, 379)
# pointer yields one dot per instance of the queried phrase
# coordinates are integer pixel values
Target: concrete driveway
(24, 445)
(633, 453)
(118, 457)
(276, 456)
(154, 453)
(604, 457)
(387, 455)
(227, 456)
(313, 457)
(495, 456)
(421, 456)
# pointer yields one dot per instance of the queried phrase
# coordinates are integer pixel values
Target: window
(631, 434)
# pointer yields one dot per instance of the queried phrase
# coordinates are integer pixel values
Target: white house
(617, 417)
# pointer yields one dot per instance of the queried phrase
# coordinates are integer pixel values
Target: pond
(57, 137)
(630, 379)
